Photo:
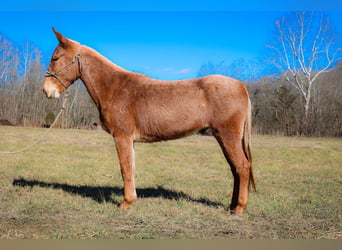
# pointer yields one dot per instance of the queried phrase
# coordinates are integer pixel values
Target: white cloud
(176, 72)
(182, 71)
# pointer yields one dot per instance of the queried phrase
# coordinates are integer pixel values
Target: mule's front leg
(124, 147)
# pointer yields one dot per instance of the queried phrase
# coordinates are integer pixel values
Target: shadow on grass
(102, 194)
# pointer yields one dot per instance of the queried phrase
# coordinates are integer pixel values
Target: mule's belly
(171, 134)
(169, 123)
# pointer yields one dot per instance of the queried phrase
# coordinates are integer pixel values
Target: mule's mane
(96, 55)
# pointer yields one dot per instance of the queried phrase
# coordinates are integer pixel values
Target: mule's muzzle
(50, 89)
(51, 95)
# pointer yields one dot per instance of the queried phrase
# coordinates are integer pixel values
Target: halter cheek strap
(75, 59)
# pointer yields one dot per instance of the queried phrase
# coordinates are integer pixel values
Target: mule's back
(173, 109)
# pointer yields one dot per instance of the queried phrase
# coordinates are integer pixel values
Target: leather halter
(75, 59)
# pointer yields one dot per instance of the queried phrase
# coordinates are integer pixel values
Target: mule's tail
(247, 143)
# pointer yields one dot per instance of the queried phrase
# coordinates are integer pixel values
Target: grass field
(69, 186)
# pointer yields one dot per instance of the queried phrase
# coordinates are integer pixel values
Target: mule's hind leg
(232, 147)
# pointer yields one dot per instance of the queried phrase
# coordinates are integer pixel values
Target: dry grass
(69, 187)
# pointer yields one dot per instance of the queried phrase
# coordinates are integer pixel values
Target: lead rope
(46, 132)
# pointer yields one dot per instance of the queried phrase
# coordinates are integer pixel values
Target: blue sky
(165, 40)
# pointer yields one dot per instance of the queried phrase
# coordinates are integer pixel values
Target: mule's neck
(99, 75)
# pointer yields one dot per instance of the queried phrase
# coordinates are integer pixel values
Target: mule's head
(64, 68)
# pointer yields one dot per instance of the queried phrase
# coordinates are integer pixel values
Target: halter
(75, 59)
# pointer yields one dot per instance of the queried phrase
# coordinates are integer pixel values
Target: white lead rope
(46, 132)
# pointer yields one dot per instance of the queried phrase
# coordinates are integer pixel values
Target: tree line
(278, 109)
(302, 96)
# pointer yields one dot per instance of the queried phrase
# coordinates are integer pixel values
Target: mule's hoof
(124, 205)
(127, 203)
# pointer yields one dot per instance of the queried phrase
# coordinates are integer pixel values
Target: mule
(136, 108)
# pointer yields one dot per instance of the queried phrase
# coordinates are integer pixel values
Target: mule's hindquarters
(233, 135)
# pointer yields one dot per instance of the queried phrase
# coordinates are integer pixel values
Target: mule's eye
(54, 59)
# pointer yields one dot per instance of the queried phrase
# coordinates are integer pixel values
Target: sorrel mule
(136, 108)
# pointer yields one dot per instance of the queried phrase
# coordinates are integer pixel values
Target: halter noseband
(75, 59)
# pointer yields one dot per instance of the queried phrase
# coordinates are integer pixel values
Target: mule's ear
(62, 39)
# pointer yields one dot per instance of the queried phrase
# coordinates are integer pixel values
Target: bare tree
(9, 62)
(305, 49)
